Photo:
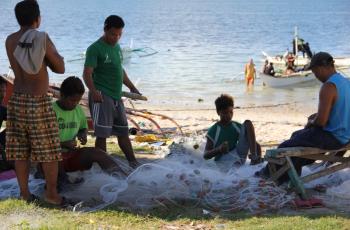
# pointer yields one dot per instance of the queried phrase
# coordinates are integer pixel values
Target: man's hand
(312, 117)
(135, 90)
(97, 96)
(82, 136)
(310, 120)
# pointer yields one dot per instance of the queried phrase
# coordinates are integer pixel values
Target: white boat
(342, 62)
(287, 80)
(280, 61)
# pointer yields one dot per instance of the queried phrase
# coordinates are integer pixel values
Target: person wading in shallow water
(250, 73)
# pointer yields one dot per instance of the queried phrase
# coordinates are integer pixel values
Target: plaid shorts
(109, 117)
(32, 129)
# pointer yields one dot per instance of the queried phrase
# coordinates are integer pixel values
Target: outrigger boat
(134, 115)
(280, 80)
(300, 63)
(299, 45)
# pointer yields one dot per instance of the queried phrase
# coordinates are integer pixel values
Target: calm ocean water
(202, 44)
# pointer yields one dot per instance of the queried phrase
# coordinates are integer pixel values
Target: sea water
(202, 45)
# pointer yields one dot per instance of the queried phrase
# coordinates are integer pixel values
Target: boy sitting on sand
(230, 141)
(73, 125)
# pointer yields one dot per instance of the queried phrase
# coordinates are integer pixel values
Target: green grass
(113, 148)
(17, 214)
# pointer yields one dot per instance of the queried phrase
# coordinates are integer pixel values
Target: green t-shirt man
(218, 134)
(69, 121)
(106, 61)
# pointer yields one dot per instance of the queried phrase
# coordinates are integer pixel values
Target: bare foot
(26, 196)
(53, 199)
(134, 164)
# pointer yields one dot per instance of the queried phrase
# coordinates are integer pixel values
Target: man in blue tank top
(329, 128)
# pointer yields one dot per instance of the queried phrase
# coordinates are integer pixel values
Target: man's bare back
(33, 84)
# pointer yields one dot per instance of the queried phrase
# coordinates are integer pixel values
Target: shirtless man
(32, 129)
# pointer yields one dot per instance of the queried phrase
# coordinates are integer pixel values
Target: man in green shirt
(104, 76)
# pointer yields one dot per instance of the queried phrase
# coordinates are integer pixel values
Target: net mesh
(182, 179)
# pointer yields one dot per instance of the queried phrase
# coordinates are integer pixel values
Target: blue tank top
(339, 118)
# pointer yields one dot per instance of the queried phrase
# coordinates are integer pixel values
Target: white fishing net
(337, 183)
(181, 179)
(185, 179)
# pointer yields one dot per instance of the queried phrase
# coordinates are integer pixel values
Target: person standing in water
(250, 73)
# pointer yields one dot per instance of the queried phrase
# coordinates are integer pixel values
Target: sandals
(32, 199)
(65, 204)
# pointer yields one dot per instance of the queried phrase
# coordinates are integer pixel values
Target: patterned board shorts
(32, 129)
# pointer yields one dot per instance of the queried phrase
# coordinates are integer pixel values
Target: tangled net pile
(181, 179)
(185, 179)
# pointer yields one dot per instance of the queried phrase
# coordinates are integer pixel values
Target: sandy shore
(273, 124)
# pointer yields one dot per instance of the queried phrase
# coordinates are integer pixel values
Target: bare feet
(27, 196)
(53, 198)
(134, 164)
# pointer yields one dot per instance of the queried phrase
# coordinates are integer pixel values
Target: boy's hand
(224, 148)
(82, 136)
(70, 144)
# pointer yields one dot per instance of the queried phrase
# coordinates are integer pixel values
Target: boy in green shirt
(73, 125)
(229, 141)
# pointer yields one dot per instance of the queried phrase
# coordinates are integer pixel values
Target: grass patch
(114, 150)
(17, 214)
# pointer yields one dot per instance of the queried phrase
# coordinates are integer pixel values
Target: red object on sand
(309, 203)
(7, 175)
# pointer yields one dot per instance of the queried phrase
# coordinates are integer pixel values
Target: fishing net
(182, 178)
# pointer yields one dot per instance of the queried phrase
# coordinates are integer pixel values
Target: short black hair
(223, 102)
(114, 21)
(72, 86)
(27, 12)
